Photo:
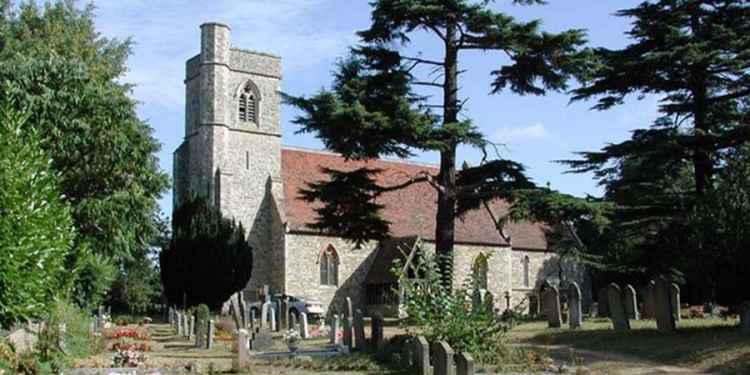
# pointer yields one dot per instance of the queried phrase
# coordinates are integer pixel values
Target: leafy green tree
(36, 230)
(53, 60)
(373, 109)
(208, 258)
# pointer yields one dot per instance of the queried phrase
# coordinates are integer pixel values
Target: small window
(329, 267)
(480, 271)
(525, 262)
(247, 159)
(248, 104)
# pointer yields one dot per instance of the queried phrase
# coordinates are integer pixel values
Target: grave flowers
(292, 338)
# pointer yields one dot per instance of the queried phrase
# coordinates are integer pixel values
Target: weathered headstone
(272, 324)
(359, 330)
(663, 305)
(243, 354)
(649, 304)
(551, 298)
(464, 364)
(745, 317)
(348, 327)
(284, 314)
(261, 339)
(179, 324)
(293, 321)
(442, 359)
(304, 328)
(376, 333)
(201, 327)
(617, 308)
(335, 326)
(264, 318)
(191, 327)
(575, 314)
(243, 309)
(252, 317)
(422, 356)
(674, 298)
(235, 311)
(603, 300)
(186, 329)
(631, 303)
(210, 335)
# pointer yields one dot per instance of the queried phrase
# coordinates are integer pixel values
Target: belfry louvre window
(329, 267)
(248, 105)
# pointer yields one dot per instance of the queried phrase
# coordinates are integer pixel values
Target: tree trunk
(446, 208)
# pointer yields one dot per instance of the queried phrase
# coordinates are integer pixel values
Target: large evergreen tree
(208, 258)
(374, 111)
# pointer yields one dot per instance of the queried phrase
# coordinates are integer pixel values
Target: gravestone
(191, 327)
(261, 339)
(594, 309)
(243, 309)
(408, 355)
(359, 330)
(201, 327)
(603, 300)
(293, 322)
(335, 324)
(272, 324)
(617, 308)
(210, 335)
(464, 364)
(376, 333)
(243, 354)
(649, 303)
(551, 297)
(179, 324)
(575, 315)
(745, 317)
(264, 318)
(631, 303)
(442, 359)
(235, 311)
(284, 314)
(186, 329)
(422, 356)
(348, 327)
(304, 329)
(252, 317)
(674, 300)
(663, 305)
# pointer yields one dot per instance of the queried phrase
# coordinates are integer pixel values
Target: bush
(441, 314)
(36, 229)
(208, 258)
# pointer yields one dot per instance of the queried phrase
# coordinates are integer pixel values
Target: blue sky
(310, 35)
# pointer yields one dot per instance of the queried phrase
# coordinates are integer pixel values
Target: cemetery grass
(713, 345)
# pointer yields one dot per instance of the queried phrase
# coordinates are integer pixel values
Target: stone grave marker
(649, 304)
(335, 324)
(264, 319)
(575, 315)
(376, 333)
(603, 300)
(464, 364)
(617, 308)
(631, 303)
(210, 335)
(745, 317)
(674, 300)
(261, 339)
(422, 356)
(179, 324)
(243, 309)
(243, 354)
(348, 327)
(552, 306)
(663, 305)
(293, 321)
(191, 327)
(304, 328)
(252, 317)
(442, 359)
(284, 314)
(272, 324)
(359, 330)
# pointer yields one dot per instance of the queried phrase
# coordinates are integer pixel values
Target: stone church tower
(232, 147)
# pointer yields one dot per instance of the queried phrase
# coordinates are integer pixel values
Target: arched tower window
(329, 267)
(248, 103)
(480, 271)
(525, 262)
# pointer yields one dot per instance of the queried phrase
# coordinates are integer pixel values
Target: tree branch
(433, 84)
(423, 61)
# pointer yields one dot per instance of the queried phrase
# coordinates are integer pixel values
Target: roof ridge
(387, 160)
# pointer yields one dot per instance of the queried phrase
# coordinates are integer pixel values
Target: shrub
(36, 229)
(441, 314)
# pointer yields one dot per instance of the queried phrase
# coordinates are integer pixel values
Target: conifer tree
(373, 109)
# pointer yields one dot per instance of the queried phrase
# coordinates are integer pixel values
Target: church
(233, 154)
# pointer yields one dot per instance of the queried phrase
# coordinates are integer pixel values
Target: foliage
(664, 180)
(56, 350)
(54, 60)
(202, 316)
(208, 258)
(439, 313)
(374, 110)
(36, 231)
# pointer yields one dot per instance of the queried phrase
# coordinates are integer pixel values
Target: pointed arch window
(526, 280)
(480, 271)
(248, 104)
(329, 267)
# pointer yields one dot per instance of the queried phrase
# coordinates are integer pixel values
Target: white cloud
(520, 134)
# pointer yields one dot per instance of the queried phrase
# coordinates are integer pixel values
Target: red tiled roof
(411, 210)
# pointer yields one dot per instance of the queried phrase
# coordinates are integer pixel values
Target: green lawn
(707, 344)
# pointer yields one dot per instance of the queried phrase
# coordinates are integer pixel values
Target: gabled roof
(411, 210)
